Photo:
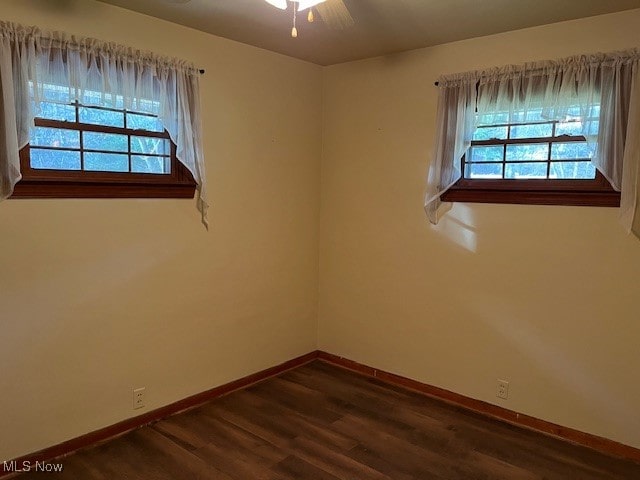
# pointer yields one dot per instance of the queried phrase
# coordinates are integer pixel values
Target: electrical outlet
(138, 398)
(503, 389)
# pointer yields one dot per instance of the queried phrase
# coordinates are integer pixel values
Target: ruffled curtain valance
(603, 89)
(94, 72)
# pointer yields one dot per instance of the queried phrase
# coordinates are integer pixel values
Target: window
(86, 120)
(533, 160)
(81, 150)
(547, 132)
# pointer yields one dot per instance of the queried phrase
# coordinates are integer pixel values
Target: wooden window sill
(86, 189)
(533, 197)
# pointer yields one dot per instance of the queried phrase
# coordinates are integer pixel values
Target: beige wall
(98, 297)
(544, 297)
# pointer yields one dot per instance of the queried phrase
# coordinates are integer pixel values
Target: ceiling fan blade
(335, 14)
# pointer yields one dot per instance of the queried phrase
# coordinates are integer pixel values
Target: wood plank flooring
(320, 422)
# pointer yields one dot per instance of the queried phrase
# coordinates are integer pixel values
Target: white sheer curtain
(16, 50)
(454, 131)
(94, 73)
(602, 91)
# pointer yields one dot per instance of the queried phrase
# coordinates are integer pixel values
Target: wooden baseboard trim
(601, 444)
(112, 431)
(594, 442)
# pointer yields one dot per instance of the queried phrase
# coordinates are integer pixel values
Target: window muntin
(523, 157)
(90, 138)
(74, 148)
(531, 148)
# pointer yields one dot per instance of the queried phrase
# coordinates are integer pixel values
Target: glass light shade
(304, 4)
(281, 4)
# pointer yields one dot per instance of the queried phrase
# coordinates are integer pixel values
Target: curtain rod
(598, 59)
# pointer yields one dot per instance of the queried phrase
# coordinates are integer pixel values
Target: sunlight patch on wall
(458, 226)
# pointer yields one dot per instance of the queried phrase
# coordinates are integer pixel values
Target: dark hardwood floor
(320, 422)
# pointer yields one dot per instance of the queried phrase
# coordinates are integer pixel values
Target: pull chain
(294, 30)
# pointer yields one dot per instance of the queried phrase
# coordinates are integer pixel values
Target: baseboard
(594, 442)
(130, 424)
(601, 444)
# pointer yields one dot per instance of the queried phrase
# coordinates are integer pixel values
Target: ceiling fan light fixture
(304, 4)
(298, 6)
(281, 4)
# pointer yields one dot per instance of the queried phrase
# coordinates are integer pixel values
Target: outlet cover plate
(503, 389)
(138, 398)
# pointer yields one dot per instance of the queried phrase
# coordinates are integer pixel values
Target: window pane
(144, 122)
(105, 141)
(494, 118)
(54, 93)
(101, 117)
(532, 115)
(486, 154)
(106, 162)
(586, 111)
(150, 145)
(147, 106)
(569, 128)
(570, 150)
(54, 159)
(90, 97)
(575, 170)
(528, 151)
(526, 170)
(489, 133)
(574, 111)
(483, 170)
(56, 111)
(575, 128)
(536, 130)
(54, 137)
(144, 164)
(593, 127)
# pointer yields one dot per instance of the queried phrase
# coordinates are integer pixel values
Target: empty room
(320, 239)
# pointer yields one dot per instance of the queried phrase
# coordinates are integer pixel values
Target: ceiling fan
(334, 13)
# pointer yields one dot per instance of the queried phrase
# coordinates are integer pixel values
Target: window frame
(572, 192)
(59, 183)
(596, 193)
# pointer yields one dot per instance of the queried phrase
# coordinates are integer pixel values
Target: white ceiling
(381, 26)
